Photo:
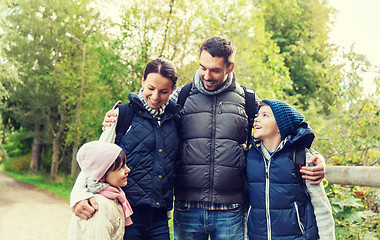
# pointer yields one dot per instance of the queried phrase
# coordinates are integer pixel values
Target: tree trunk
(74, 164)
(55, 158)
(36, 149)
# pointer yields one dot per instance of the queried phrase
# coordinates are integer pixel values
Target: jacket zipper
(267, 212)
(212, 153)
(299, 220)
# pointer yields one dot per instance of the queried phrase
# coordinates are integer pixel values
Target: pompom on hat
(288, 119)
(95, 158)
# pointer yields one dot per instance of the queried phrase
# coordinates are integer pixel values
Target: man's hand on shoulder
(314, 173)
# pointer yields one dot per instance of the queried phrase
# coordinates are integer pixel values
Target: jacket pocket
(180, 207)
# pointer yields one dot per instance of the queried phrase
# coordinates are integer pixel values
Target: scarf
(117, 193)
(201, 88)
(156, 113)
(95, 186)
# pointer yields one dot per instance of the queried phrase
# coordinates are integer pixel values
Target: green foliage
(17, 164)
(300, 29)
(355, 211)
(15, 143)
(53, 45)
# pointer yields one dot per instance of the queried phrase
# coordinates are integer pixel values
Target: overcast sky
(358, 21)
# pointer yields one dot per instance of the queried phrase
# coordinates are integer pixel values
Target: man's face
(213, 71)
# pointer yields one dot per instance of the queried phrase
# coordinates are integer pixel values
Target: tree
(349, 136)
(48, 65)
(300, 28)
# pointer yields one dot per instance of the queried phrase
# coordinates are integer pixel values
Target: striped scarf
(226, 84)
(156, 113)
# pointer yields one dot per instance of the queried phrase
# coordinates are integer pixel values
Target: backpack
(123, 121)
(126, 112)
(250, 104)
(299, 160)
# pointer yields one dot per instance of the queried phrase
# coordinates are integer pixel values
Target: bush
(18, 143)
(355, 211)
(17, 164)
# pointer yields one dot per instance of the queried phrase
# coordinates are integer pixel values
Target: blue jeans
(199, 224)
(148, 224)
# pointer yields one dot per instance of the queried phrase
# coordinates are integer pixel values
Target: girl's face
(118, 178)
(157, 89)
(265, 124)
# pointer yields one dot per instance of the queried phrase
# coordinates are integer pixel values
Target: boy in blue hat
(290, 208)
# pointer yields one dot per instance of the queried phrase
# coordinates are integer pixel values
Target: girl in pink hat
(104, 165)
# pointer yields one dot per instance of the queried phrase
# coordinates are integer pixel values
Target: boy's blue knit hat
(288, 119)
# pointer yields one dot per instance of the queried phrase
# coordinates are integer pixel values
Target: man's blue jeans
(198, 223)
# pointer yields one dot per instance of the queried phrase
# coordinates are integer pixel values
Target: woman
(151, 147)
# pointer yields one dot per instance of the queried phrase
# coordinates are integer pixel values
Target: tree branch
(171, 4)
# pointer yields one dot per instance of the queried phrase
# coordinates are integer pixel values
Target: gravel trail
(27, 213)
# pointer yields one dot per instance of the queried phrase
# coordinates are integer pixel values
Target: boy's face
(265, 125)
(213, 71)
(118, 178)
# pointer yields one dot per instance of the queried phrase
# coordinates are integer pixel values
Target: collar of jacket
(230, 78)
(304, 136)
(170, 111)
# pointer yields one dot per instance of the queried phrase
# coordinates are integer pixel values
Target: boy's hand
(109, 117)
(86, 208)
(316, 173)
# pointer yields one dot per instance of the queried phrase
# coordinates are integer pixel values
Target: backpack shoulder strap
(299, 160)
(124, 121)
(250, 109)
(184, 93)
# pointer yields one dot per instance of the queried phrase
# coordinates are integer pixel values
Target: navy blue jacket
(151, 151)
(280, 208)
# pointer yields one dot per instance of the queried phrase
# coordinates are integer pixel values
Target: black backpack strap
(250, 109)
(184, 93)
(123, 121)
(299, 160)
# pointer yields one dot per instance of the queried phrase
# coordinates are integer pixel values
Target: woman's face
(157, 89)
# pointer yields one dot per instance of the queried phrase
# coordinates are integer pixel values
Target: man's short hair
(219, 46)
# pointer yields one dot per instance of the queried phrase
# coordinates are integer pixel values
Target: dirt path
(30, 214)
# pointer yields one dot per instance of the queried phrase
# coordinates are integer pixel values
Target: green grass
(60, 187)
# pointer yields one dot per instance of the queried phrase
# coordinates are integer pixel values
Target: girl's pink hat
(95, 158)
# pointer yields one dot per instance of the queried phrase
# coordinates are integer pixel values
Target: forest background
(65, 63)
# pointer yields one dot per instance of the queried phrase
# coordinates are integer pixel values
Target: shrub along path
(28, 213)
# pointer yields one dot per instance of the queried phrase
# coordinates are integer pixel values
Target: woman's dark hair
(164, 67)
(119, 162)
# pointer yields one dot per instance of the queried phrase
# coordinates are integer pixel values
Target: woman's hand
(86, 208)
(110, 116)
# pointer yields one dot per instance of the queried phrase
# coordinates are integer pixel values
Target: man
(209, 185)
